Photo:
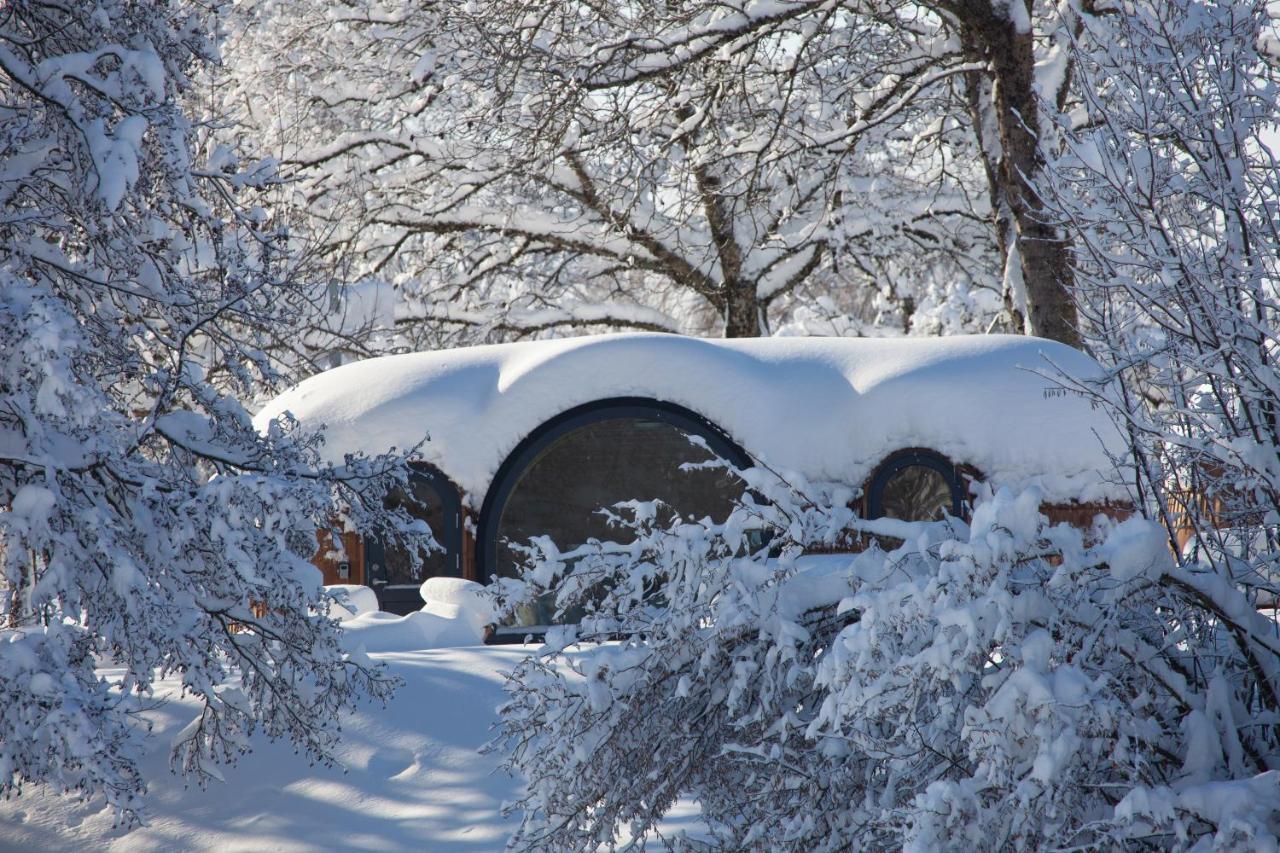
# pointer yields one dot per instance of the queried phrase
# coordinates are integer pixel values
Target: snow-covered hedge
(1004, 683)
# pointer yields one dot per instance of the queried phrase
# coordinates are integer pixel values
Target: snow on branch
(147, 530)
(667, 158)
(1003, 681)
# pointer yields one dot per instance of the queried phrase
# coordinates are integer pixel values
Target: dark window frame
(954, 474)
(611, 408)
(406, 598)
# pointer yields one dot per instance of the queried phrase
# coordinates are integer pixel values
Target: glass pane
(598, 465)
(917, 493)
(390, 563)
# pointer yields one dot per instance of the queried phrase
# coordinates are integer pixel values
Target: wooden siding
(330, 559)
(1082, 514)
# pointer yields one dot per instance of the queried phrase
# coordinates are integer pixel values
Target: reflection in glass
(916, 493)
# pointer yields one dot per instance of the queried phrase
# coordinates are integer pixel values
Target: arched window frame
(958, 478)
(504, 481)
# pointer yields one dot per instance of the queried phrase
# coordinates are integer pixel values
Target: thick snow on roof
(829, 409)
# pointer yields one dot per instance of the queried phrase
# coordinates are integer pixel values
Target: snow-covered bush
(1001, 684)
(144, 524)
(1172, 193)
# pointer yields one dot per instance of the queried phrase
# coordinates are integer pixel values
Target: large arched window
(389, 566)
(595, 456)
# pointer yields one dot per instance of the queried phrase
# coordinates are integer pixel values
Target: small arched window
(555, 482)
(916, 485)
(389, 566)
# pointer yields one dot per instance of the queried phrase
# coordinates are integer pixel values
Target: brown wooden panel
(1221, 511)
(330, 564)
(1082, 514)
(1076, 514)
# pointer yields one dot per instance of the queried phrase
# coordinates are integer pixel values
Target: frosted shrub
(1002, 684)
(1172, 192)
(146, 529)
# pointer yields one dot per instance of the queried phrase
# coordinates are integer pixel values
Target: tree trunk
(743, 313)
(1045, 254)
(981, 106)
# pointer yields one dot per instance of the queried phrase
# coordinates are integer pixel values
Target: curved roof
(826, 408)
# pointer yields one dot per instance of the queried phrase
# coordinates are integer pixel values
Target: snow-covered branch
(1001, 683)
(145, 525)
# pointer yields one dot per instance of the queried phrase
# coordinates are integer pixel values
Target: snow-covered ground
(410, 774)
(411, 778)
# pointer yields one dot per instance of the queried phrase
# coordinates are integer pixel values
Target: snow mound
(455, 614)
(462, 600)
(351, 600)
(829, 409)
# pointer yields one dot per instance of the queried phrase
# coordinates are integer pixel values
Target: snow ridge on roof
(829, 409)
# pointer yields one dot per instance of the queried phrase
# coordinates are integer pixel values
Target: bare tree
(1018, 76)
(1026, 67)
(525, 166)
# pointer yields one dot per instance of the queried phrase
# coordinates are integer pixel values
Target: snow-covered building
(522, 439)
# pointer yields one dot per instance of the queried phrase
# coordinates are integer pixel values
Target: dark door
(389, 565)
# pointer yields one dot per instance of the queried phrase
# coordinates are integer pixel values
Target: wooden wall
(331, 557)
